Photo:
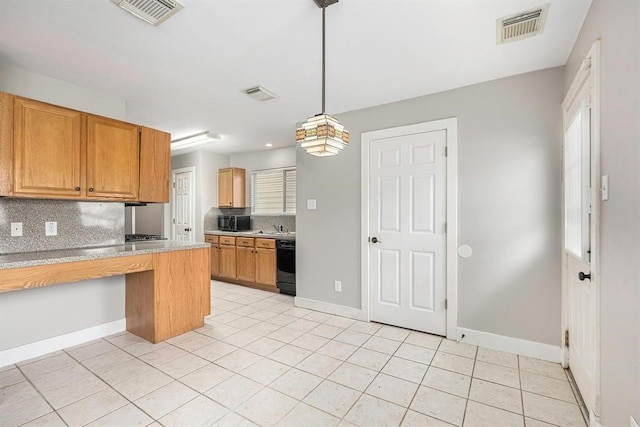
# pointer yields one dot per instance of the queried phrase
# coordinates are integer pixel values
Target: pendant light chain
(322, 135)
(324, 6)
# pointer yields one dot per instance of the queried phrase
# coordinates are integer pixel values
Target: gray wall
(509, 136)
(56, 310)
(617, 23)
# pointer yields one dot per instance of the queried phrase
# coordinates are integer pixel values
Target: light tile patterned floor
(261, 361)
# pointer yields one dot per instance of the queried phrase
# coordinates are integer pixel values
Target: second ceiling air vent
(521, 25)
(260, 93)
(155, 12)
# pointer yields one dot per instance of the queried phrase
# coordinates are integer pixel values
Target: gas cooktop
(141, 237)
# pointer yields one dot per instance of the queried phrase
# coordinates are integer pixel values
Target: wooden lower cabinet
(244, 260)
(227, 258)
(215, 254)
(266, 262)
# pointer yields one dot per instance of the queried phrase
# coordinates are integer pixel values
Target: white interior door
(407, 220)
(183, 206)
(581, 185)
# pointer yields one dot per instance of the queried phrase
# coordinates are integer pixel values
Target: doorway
(581, 225)
(183, 204)
(409, 228)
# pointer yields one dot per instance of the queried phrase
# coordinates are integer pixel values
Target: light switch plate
(604, 187)
(311, 204)
(51, 228)
(16, 229)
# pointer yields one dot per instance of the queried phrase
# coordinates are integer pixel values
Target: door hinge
(446, 151)
(446, 303)
(566, 338)
(445, 227)
(174, 220)
(174, 185)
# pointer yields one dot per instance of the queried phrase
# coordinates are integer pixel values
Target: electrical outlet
(16, 229)
(51, 228)
(337, 285)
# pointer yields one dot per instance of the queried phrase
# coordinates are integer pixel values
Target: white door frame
(174, 172)
(589, 68)
(451, 127)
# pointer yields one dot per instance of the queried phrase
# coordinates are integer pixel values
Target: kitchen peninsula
(167, 282)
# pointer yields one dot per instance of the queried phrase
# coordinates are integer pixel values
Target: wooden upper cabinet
(47, 149)
(113, 160)
(231, 188)
(155, 164)
(52, 152)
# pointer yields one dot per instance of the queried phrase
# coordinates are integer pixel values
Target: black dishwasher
(286, 262)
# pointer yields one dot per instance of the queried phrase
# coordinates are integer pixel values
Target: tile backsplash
(80, 224)
(258, 222)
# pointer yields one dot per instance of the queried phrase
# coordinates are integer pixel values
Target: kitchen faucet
(279, 228)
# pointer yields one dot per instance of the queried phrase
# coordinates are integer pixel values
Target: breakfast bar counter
(167, 282)
(27, 259)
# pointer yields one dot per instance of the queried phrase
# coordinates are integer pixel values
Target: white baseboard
(634, 423)
(39, 348)
(326, 307)
(594, 421)
(533, 349)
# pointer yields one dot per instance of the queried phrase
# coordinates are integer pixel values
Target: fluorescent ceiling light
(201, 138)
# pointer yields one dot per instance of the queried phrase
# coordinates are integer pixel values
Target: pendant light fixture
(322, 135)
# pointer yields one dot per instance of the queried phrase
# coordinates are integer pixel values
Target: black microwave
(234, 222)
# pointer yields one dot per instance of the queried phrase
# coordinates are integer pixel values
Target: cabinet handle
(77, 188)
(90, 189)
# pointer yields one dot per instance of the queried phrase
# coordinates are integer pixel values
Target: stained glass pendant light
(322, 135)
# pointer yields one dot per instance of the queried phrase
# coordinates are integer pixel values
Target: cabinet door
(227, 261)
(266, 266)
(246, 264)
(225, 187)
(47, 149)
(155, 165)
(215, 253)
(215, 260)
(232, 187)
(112, 159)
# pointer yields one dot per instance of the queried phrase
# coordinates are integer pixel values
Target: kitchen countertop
(251, 233)
(28, 259)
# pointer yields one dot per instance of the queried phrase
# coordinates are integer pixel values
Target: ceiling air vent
(155, 12)
(522, 25)
(259, 93)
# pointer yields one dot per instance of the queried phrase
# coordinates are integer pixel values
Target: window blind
(273, 191)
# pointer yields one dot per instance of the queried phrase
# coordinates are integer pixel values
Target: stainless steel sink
(273, 233)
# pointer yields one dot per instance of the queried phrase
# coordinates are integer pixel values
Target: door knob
(77, 188)
(583, 276)
(375, 240)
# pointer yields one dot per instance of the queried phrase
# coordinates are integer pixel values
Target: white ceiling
(187, 74)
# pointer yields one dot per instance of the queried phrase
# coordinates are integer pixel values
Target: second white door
(407, 236)
(183, 206)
